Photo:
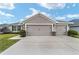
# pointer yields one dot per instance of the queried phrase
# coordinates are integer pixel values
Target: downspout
(26, 29)
(67, 28)
(52, 28)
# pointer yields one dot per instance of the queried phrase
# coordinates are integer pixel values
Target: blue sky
(17, 12)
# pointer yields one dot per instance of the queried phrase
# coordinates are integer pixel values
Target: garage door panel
(60, 30)
(39, 30)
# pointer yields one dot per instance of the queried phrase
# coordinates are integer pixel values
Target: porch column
(21, 27)
(52, 28)
(67, 28)
(16, 28)
(26, 29)
(25, 26)
(11, 28)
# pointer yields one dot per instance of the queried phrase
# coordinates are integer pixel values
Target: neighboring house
(4, 28)
(14, 27)
(41, 25)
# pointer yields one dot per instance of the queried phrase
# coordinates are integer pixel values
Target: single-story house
(41, 25)
(14, 27)
(4, 27)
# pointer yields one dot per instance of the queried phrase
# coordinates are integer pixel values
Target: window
(18, 28)
(13, 28)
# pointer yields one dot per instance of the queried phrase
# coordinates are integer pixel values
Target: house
(4, 28)
(41, 25)
(14, 27)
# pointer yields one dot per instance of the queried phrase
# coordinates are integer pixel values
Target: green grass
(5, 42)
(76, 36)
(6, 36)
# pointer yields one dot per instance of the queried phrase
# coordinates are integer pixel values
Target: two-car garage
(39, 30)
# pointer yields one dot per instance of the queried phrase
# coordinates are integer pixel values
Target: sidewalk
(16, 38)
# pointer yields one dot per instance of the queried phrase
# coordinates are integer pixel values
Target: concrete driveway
(44, 45)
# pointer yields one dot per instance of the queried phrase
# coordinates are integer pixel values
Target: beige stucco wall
(39, 18)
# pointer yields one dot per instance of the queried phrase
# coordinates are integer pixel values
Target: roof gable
(39, 18)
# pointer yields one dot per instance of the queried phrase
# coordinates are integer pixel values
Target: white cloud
(34, 11)
(9, 15)
(21, 19)
(53, 5)
(44, 13)
(6, 14)
(72, 15)
(68, 6)
(60, 18)
(74, 5)
(9, 6)
(68, 16)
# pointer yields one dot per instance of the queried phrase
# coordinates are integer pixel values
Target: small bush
(72, 32)
(22, 33)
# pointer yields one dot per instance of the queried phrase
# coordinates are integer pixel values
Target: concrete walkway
(45, 45)
(16, 38)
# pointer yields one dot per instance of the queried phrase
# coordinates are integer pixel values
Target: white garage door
(39, 30)
(60, 30)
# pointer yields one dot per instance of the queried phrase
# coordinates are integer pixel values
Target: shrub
(72, 32)
(22, 33)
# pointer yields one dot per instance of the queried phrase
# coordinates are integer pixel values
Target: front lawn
(76, 36)
(6, 36)
(5, 43)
